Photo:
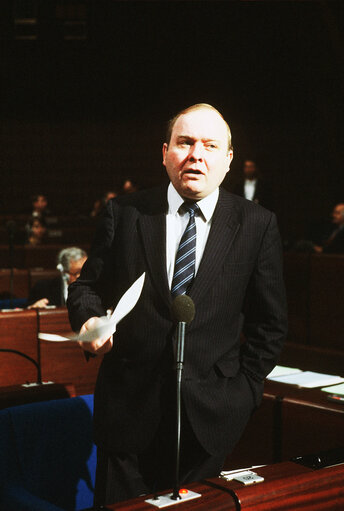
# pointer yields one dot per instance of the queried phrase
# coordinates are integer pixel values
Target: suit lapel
(153, 233)
(225, 225)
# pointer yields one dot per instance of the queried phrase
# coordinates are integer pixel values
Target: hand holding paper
(104, 327)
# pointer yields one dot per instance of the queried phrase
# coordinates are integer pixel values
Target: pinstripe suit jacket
(239, 285)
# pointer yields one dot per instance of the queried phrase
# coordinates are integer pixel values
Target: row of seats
(34, 359)
(42, 256)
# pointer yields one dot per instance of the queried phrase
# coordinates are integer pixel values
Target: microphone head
(183, 309)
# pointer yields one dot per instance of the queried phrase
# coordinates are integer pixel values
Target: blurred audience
(55, 291)
(335, 242)
(129, 186)
(100, 204)
(253, 187)
(39, 206)
(36, 232)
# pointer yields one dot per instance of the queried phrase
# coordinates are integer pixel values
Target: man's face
(75, 269)
(197, 158)
(40, 204)
(37, 229)
(250, 169)
(338, 214)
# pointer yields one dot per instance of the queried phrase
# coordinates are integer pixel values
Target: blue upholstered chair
(47, 457)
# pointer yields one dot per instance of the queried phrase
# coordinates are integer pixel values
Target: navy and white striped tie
(184, 269)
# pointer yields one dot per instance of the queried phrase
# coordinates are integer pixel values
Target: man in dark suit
(253, 187)
(236, 283)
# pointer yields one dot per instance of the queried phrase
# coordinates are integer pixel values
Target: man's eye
(211, 146)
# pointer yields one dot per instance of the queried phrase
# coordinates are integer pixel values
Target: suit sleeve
(265, 311)
(89, 295)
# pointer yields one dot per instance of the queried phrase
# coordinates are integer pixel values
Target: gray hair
(67, 255)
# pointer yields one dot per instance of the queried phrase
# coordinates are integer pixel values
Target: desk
(307, 421)
(287, 486)
(65, 361)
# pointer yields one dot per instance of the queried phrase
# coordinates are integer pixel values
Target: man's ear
(230, 158)
(164, 151)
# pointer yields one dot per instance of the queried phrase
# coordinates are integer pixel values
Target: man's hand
(98, 346)
(40, 304)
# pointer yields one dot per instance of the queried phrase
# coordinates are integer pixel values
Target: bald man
(335, 243)
(225, 253)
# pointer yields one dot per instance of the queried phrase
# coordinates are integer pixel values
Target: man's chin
(192, 191)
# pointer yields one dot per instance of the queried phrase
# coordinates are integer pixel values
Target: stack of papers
(335, 389)
(308, 379)
(282, 371)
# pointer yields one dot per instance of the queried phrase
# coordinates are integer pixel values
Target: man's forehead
(205, 122)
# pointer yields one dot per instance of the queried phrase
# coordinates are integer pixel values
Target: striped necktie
(184, 269)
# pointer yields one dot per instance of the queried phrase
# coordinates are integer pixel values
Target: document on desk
(335, 389)
(282, 371)
(309, 379)
(107, 325)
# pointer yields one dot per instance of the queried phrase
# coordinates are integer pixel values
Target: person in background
(100, 204)
(253, 187)
(36, 231)
(54, 291)
(39, 206)
(129, 186)
(335, 242)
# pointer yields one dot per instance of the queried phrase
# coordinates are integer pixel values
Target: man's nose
(196, 152)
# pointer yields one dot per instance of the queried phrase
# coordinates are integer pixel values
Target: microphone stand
(179, 372)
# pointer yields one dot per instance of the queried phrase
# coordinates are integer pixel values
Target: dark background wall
(80, 115)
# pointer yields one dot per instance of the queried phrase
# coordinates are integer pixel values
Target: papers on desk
(335, 389)
(308, 379)
(282, 371)
(107, 325)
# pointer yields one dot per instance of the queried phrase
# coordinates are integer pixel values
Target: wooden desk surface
(308, 397)
(217, 494)
(287, 486)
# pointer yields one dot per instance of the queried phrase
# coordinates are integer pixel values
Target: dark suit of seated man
(234, 276)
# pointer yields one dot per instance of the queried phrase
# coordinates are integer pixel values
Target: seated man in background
(55, 291)
(335, 242)
(36, 232)
(39, 206)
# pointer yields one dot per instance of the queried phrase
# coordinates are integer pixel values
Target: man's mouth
(193, 171)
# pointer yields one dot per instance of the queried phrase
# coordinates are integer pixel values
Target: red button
(184, 491)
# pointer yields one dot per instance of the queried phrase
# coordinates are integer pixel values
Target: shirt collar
(206, 205)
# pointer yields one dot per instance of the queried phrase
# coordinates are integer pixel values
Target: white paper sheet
(335, 389)
(282, 371)
(309, 379)
(106, 326)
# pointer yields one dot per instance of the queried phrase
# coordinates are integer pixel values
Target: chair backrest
(53, 448)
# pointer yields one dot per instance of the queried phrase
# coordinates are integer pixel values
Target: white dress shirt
(250, 188)
(176, 223)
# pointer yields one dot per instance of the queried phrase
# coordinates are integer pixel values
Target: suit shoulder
(145, 201)
(246, 208)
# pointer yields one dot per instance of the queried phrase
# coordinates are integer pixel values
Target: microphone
(183, 312)
(183, 309)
